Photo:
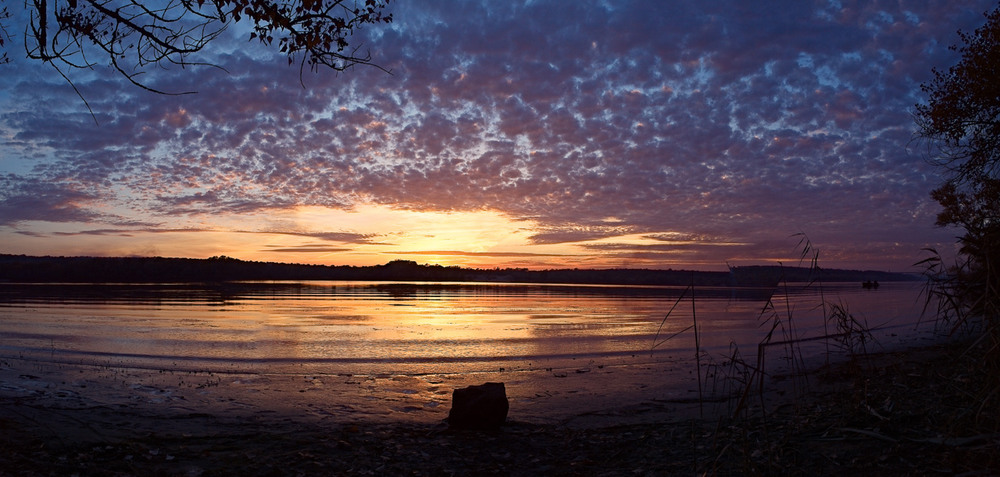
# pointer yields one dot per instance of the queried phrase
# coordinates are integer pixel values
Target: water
(384, 349)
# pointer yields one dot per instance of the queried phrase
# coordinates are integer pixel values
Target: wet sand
(85, 419)
(882, 417)
(537, 396)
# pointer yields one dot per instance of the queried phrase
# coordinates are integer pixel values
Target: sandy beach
(892, 415)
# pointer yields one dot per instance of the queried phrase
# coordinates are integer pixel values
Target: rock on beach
(482, 407)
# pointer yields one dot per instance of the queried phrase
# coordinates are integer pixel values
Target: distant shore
(21, 268)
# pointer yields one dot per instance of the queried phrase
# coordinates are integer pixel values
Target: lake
(356, 350)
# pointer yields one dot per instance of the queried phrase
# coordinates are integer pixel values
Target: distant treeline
(20, 268)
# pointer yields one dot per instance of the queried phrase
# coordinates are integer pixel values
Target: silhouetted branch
(131, 35)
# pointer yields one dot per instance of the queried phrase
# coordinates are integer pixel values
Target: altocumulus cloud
(730, 120)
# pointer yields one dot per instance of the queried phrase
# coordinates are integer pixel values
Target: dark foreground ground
(906, 413)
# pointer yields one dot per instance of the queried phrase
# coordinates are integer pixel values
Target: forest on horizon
(21, 268)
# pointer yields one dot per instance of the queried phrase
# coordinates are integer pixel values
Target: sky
(528, 134)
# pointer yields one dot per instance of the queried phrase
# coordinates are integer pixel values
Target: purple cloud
(725, 120)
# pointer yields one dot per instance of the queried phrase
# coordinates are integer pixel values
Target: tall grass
(853, 334)
(964, 299)
(741, 383)
(744, 381)
(697, 339)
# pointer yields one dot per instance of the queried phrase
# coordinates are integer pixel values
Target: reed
(964, 300)
(740, 384)
(756, 437)
(853, 334)
(689, 291)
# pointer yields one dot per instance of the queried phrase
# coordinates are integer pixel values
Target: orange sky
(373, 235)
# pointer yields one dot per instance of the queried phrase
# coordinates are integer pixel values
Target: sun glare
(433, 237)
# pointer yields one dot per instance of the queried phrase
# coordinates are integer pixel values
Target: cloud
(572, 234)
(477, 254)
(718, 119)
(102, 232)
(306, 249)
(342, 237)
(23, 200)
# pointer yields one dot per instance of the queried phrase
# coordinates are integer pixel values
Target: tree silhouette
(4, 15)
(961, 124)
(131, 36)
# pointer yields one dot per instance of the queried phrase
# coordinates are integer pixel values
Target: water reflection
(396, 328)
(547, 342)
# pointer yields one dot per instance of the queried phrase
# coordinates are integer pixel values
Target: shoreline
(889, 413)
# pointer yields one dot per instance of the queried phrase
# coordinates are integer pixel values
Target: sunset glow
(536, 135)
